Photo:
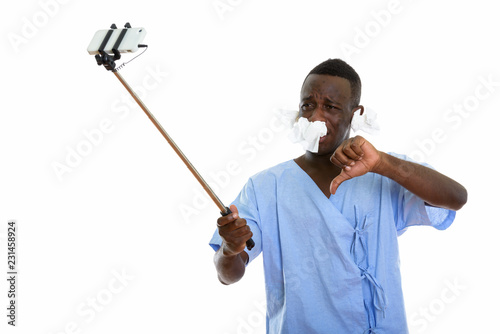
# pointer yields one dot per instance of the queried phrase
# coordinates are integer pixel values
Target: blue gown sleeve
(411, 210)
(246, 204)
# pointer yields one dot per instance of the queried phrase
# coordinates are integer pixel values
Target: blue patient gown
(331, 265)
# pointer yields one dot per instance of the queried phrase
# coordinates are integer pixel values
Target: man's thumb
(337, 181)
(233, 208)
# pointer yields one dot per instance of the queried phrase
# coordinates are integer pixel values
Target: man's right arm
(230, 259)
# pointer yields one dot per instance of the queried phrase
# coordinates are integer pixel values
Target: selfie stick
(103, 58)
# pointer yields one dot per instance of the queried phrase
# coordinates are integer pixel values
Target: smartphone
(130, 43)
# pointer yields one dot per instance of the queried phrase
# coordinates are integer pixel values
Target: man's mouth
(323, 138)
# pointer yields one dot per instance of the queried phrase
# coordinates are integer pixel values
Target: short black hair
(339, 68)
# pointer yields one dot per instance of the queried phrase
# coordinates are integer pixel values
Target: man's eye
(306, 106)
(332, 107)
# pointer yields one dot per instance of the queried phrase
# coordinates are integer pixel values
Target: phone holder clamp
(104, 58)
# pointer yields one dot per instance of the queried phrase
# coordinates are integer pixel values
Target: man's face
(327, 98)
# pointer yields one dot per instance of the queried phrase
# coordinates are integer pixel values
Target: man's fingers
(239, 228)
(341, 160)
(233, 225)
(232, 222)
(336, 161)
(352, 150)
(236, 245)
(356, 147)
(235, 238)
(234, 232)
(348, 153)
(241, 235)
(224, 220)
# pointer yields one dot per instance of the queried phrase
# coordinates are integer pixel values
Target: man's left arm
(356, 156)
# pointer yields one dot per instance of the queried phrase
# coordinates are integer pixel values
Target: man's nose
(316, 115)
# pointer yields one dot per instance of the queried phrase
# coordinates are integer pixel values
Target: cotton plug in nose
(308, 134)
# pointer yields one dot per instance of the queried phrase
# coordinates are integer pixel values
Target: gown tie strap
(379, 298)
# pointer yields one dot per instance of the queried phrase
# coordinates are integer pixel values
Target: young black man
(327, 222)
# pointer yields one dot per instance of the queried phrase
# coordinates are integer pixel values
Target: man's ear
(361, 108)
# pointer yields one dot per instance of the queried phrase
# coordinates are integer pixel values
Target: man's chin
(322, 151)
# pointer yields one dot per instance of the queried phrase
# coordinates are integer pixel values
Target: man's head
(331, 93)
(339, 68)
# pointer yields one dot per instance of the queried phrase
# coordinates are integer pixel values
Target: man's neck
(320, 169)
(318, 162)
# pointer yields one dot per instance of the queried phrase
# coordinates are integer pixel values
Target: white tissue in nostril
(308, 134)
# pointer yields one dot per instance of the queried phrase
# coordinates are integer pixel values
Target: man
(327, 222)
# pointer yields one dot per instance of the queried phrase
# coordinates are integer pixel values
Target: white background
(220, 73)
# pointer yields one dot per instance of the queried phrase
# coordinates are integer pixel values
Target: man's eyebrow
(333, 101)
(306, 98)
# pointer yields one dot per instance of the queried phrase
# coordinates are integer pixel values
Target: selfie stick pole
(174, 146)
